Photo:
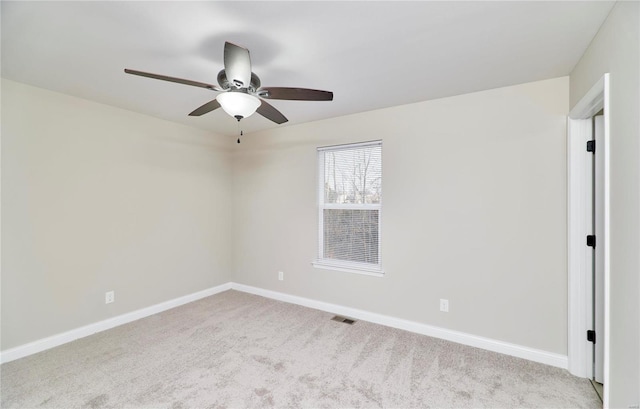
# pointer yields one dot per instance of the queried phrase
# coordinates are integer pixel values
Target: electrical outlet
(280, 275)
(444, 305)
(109, 297)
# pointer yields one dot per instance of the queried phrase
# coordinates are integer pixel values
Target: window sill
(375, 272)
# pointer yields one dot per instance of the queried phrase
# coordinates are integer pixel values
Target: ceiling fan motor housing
(226, 85)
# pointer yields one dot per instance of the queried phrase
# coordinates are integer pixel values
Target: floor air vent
(343, 319)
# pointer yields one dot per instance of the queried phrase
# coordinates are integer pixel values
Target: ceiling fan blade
(268, 111)
(173, 79)
(208, 107)
(237, 65)
(296, 94)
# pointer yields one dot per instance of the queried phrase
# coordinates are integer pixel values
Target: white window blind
(350, 201)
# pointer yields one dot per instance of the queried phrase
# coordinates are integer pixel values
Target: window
(349, 204)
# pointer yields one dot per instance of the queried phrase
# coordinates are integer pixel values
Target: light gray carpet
(235, 350)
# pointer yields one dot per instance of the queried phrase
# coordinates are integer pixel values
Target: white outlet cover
(280, 275)
(444, 305)
(109, 297)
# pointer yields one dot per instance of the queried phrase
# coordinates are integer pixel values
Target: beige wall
(615, 50)
(96, 198)
(474, 210)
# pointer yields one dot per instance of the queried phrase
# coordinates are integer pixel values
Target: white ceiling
(370, 54)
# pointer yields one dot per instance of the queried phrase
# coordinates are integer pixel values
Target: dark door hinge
(591, 146)
(591, 336)
(591, 241)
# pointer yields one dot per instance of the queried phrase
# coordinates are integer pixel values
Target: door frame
(578, 226)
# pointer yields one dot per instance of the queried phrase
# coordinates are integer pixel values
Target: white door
(598, 271)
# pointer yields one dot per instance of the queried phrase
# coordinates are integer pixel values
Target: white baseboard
(506, 348)
(531, 354)
(68, 336)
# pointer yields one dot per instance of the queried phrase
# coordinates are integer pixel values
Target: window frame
(369, 269)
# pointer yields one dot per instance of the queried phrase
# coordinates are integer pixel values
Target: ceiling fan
(241, 93)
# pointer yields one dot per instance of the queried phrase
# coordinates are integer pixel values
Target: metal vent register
(343, 319)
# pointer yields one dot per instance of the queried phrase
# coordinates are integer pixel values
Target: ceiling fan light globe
(238, 103)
